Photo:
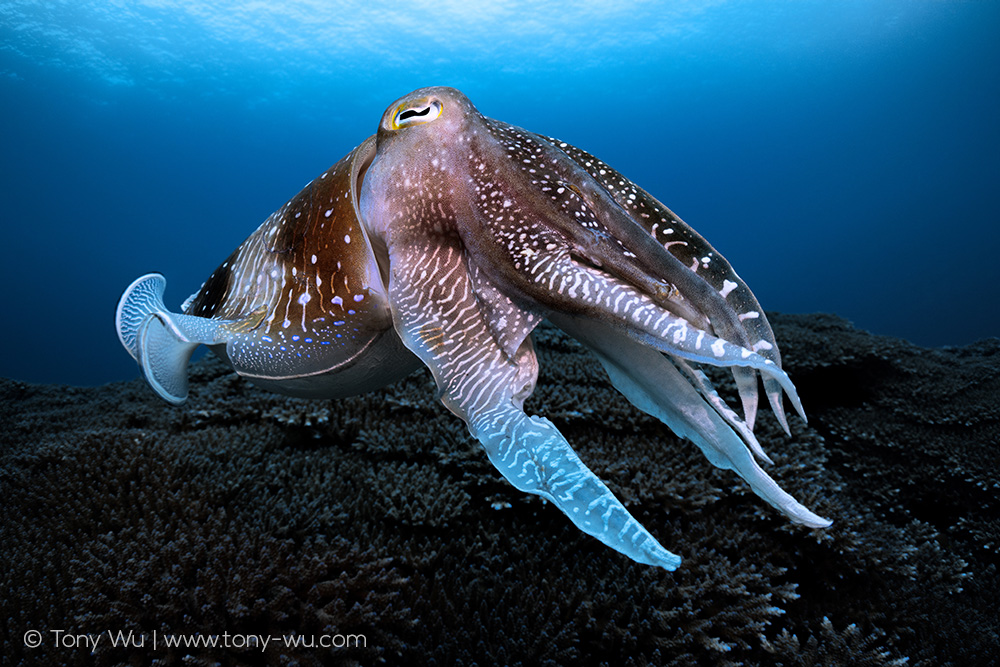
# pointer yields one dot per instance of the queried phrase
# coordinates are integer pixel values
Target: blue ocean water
(844, 155)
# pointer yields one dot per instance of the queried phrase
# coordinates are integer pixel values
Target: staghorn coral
(830, 647)
(124, 534)
(249, 512)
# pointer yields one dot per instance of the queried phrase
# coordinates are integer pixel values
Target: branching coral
(245, 512)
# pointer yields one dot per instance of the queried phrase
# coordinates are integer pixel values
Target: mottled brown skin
(293, 235)
(307, 287)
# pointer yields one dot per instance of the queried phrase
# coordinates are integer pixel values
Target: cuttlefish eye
(415, 113)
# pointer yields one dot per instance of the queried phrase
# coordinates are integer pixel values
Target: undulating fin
(442, 322)
(655, 386)
(161, 341)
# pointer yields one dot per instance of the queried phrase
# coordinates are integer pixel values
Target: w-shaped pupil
(410, 113)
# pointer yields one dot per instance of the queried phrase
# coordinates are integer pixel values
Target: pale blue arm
(437, 312)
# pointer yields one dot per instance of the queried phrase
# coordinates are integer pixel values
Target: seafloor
(246, 513)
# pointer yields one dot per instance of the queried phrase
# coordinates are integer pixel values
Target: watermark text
(156, 639)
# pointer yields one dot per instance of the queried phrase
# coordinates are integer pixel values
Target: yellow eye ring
(416, 112)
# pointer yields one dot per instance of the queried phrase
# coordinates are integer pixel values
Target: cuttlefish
(443, 241)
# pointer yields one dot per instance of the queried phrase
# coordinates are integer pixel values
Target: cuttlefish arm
(616, 226)
(543, 218)
(436, 308)
(654, 385)
(694, 251)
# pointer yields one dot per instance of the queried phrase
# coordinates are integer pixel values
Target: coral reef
(248, 513)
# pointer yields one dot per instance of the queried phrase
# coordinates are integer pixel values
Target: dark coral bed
(246, 512)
